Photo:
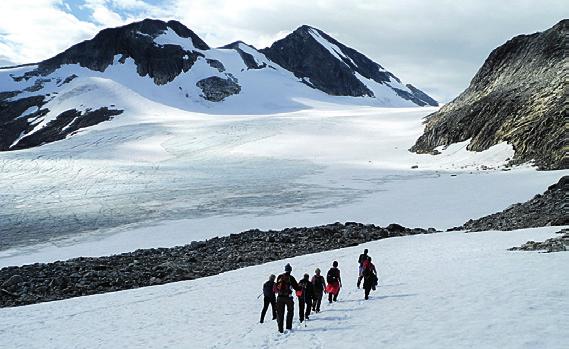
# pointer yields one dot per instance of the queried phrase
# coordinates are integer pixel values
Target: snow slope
(161, 176)
(448, 290)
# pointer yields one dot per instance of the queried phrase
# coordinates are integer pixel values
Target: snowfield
(448, 290)
(159, 176)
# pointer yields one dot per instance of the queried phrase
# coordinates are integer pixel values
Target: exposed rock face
(556, 244)
(136, 40)
(549, 208)
(216, 89)
(519, 96)
(248, 59)
(11, 124)
(65, 124)
(84, 276)
(301, 53)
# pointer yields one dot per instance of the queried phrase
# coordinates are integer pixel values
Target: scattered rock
(547, 209)
(42, 282)
(556, 244)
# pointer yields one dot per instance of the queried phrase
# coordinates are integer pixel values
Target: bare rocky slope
(549, 208)
(42, 282)
(519, 96)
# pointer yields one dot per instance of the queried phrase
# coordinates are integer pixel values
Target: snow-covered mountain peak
(324, 63)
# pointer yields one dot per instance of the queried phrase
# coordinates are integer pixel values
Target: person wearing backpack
(334, 282)
(305, 296)
(370, 277)
(269, 298)
(319, 285)
(361, 260)
(283, 290)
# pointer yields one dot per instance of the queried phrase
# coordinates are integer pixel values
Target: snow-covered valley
(159, 176)
(447, 290)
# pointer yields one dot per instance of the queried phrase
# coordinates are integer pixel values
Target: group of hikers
(278, 291)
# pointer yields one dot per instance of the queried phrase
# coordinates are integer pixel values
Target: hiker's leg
(301, 310)
(289, 313)
(280, 314)
(308, 308)
(266, 302)
(273, 307)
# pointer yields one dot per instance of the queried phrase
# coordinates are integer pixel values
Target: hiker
(284, 299)
(370, 277)
(334, 282)
(269, 298)
(361, 260)
(319, 285)
(305, 296)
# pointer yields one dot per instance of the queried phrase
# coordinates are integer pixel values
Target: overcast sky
(437, 45)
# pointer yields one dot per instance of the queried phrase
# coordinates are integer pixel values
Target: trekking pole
(259, 296)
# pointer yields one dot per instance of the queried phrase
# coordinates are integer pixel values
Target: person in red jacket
(334, 282)
(370, 277)
(305, 298)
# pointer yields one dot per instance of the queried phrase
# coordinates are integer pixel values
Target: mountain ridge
(168, 63)
(518, 96)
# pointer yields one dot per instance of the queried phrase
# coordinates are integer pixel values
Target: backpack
(282, 286)
(368, 270)
(318, 283)
(332, 276)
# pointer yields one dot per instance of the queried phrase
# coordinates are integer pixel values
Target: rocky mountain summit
(167, 63)
(328, 65)
(549, 208)
(519, 96)
(40, 282)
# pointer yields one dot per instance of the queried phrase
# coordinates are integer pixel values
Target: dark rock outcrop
(12, 125)
(247, 58)
(216, 89)
(549, 208)
(40, 282)
(136, 40)
(65, 124)
(556, 244)
(519, 96)
(303, 55)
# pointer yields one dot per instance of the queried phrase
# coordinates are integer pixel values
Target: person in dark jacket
(319, 285)
(269, 298)
(334, 282)
(370, 277)
(361, 260)
(305, 297)
(284, 299)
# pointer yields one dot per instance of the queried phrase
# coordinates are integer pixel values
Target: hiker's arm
(294, 284)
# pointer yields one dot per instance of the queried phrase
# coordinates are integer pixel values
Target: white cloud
(32, 30)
